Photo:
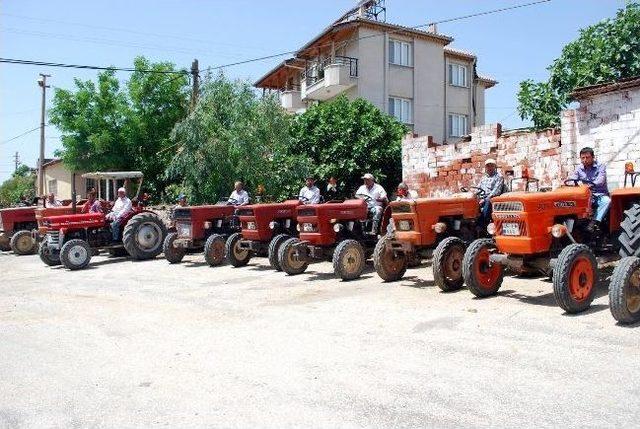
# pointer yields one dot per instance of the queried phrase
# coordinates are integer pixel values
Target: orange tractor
(549, 232)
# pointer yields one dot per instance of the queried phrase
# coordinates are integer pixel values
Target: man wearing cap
(121, 208)
(309, 194)
(239, 196)
(596, 174)
(181, 201)
(492, 184)
(376, 201)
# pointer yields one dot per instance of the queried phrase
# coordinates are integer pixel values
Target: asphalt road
(143, 344)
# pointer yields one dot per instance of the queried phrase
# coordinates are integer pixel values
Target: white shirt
(241, 197)
(54, 203)
(375, 192)
(121, 208)
(311, 195)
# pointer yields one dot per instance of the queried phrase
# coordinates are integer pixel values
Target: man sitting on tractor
(121, 208)
(52, 201)
(402, 192)
(492, 185)
(92, 205)
(595, 174)
(376, 201)
(309, 194)
(239, 197)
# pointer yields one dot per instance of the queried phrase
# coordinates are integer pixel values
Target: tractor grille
(401, 208)
(307, 212)
(53, 239)
(244, 212)
(522, 227)
(181, 214)
(508, 206)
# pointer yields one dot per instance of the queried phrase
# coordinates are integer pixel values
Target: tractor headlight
(184, 230)
(337, 227)
(558, 230)
(491, 228)
(298, 227)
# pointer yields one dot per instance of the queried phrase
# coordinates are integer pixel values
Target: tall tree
(604, 52)
(22, 183)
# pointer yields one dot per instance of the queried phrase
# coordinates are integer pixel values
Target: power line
(488, 12)
(20, 135)
(87, 67)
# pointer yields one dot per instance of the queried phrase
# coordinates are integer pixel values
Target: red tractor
(340, 230)
(199, 227)
(550, 232)
(71, 240)
(264, 228)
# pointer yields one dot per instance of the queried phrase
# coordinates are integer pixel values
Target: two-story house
(411, 74)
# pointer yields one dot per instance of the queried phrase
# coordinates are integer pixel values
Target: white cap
(369, 176)
(122, 190)
(490, 161)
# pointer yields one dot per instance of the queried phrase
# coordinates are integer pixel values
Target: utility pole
(42, 82)
(16, 160)
(195, 74)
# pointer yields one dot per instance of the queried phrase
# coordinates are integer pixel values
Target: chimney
(433, 28)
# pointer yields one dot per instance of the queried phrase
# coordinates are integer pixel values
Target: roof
(290, 62)
(459, 53)
(113, 175)
(487, 81)
(603, 88)
(51, 161)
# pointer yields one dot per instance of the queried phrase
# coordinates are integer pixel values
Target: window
(401, 109)
(53, 187)
(400, 53)
(457, 125)
(457, 75)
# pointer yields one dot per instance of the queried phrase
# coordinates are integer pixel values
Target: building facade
(58, 180)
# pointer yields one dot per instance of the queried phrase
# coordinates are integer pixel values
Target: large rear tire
(349, 260)
(171, 253)
(389, 265)
(22, 243)
(575, 276)
(447, 264)
(624, 291)
(274, 247)
(47, 256)
(214, 250)
(5, 242)
(236, 256)
(482, 278)
(287, 260)
(630, 236)
(144, 235)
(75, 254)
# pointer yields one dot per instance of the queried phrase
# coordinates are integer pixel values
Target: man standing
(309, 194)
(52, 201)
(492, 184)
(239, 197)
(376, 201)
(121, 208)
(596, 174)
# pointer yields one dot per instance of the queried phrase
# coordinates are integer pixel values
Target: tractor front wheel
(171, 253)
(624, 291)
(22, 243)
(447, 264)
(349, 260)
(47, 256)
(75, 254)
(389, 265)
(214, 249)
(274, 247)
(236, 256)
(144, 235)
(287, 259)
(575, 276)
(481, 276)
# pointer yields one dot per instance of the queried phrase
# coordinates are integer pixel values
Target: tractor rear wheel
(349, 260)
(143, 236)
(22, 243)
(47, 256)
(5, 242)
(274, 246)
(171, 253)
(389, 265)
(575, 276)
(447, 264)
(482, 278)
(75, 254)
(630, 236)
(236, 256)
(624, 291)
(214, 249)
(287, 259)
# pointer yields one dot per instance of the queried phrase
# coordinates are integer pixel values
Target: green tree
(346, 138)
(604, 52)
(234, 135)
(22, 183)
(109, 126)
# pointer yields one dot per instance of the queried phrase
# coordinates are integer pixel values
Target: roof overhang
(603, 88)
(113, 175)
(276, 78)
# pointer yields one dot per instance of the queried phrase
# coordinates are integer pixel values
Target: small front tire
(274, 247)
(349, 260)
(624, 291)
(447, 264)
(75, 254)
(48, 256)
(482, 278)
(288, 260)
(575, 276)
(236, 256)
(22, 243)
(214, 250)
(389, 265)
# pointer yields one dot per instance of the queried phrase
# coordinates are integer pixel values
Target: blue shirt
(597, 174)
(491, 185)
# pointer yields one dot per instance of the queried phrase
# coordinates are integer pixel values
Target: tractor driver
(239, 195)
(377, 199)
(309, 194)
(121, 208)
(492, 183)
(596, 173)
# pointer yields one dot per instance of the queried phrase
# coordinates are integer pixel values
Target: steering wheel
(577, 182)
(365, 197)
(480, 192)
(303, 199)
(232, 202)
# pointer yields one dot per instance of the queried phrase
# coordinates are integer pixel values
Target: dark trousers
(485, 212)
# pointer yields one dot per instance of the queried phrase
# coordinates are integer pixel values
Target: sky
(511, 46)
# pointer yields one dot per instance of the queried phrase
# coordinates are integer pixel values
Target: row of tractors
(534, 230)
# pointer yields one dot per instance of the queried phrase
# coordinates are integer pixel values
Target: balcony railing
(315, 73)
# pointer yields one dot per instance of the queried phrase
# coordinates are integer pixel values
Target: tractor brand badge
(283, 212)
(542, 207)
(506, 216)
(346, 212)
(564, 204)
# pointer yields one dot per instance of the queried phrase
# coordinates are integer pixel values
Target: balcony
(329, 78)
(291, 100)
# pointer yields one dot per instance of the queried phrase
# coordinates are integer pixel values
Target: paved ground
(130, 344)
